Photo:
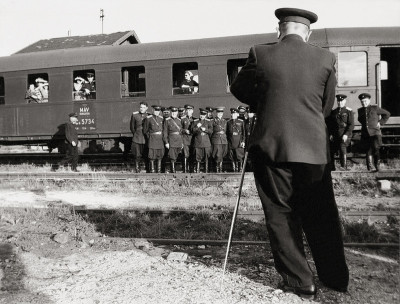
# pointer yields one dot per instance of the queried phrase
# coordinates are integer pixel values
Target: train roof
(328, 37)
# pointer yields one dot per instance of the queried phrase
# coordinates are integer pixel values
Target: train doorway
(390, 85)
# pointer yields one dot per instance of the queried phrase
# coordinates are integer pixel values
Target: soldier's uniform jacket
(91, 86)
(172, 132)
(201, 137)
(153, 129)
(218, 136)
(235, 132)
(70, 133)
(341, 122)
(187, 125)
(137, 127)
(290, 118)
(369, 118)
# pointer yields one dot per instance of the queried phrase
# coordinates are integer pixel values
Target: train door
(390, 82)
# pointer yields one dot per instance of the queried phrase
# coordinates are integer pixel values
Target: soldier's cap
(209, 109)
(181, 109)
(79, 78)
(287, 14)
(166, 109)
(187, 106)
(220, 109)
(173, 109)
(364, 95)
(203, 111)
(156, 107)
(73, 114)
(40, 80)
(234, 110)
(241, 109)
(340, 97)
(89, 74)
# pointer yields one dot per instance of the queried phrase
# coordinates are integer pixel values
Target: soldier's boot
(206, 165)
(377, 162)
(152, 169)
(369, 162)
(343, 161)
(198, 167)
(217, 169)
(137, 166)
(159, 165)
(220, 167)
(188, 167)
(184, 169)
(173, 166)
(239, 167)
(234, 166)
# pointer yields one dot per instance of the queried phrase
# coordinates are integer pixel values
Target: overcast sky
(23, 22)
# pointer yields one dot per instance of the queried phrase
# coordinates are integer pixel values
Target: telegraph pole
(102, 19)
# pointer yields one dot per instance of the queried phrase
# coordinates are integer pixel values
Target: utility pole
(102, 19)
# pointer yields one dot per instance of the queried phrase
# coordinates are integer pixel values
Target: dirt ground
(52, 262)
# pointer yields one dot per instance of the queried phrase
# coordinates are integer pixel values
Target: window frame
(187, 66)
(228, 84)
(82, 74)
(2, 91)
(122, 83)
(340, 72)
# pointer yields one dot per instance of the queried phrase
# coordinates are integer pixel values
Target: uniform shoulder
(179, 118)
(208, 119)
(168, 118)
(349, 109)
(374, 106)
(196, 119)
(150, 115)
(137, 112)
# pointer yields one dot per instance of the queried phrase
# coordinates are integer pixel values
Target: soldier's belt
(203, 133)
(157, 133)
(220, 132)
(235, 133)
(174, 133)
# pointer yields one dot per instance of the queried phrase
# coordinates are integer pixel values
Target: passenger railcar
(368, 60)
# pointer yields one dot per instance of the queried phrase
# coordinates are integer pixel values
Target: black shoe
(305, 292)
(336, 288)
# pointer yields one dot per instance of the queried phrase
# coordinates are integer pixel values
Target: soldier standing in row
(187, 121)
(172, 136)
(235, 132)
(138, 140)
(218, 139)
(181, 112)
(152, 128)
(340, 126)
(371, 135)
(201, 129)
(210, 111)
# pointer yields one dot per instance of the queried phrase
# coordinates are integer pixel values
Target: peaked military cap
(209, 109)
(166, 109)
(234, 110)
(89, 74)
(156, 107)
(181, 109)
(364, 95)
(287, 14)
(220, 109)
(173, 109)
(73, 114)
(188, 106)
(203, 111)
(241, 109)
(340, 97)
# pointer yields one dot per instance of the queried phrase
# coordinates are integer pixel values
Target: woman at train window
(78, 93)
(189, 84)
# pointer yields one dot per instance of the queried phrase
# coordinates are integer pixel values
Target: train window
(352, 69)
(233, 68)
(185, 77)
(84, 85)
(37, 90)
(2, 91)
(133, 82)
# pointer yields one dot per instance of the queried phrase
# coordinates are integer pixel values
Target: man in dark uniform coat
(152, 129)
(236, 135)
(138, 140)
(340, 125)
(71, 141)
(371, 118)
(181, 112)
(187, 121)
(89, 86)
(201, 129)
(172, 136)
(218, 138)
(291, 85)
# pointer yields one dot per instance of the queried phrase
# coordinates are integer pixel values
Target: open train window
(352, 69)
(84, 85)
(185, 78)
(233, 68)
(37, 90)
(2, 91)
(133, 82)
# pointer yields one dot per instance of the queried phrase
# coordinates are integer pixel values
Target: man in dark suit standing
(291, 86)
(371, 118)
(71, 141)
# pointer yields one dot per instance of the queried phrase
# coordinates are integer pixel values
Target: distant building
(119, 38)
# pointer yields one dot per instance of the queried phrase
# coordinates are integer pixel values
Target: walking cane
(237, 202)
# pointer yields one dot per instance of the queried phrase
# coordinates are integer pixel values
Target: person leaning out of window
(189, 84)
